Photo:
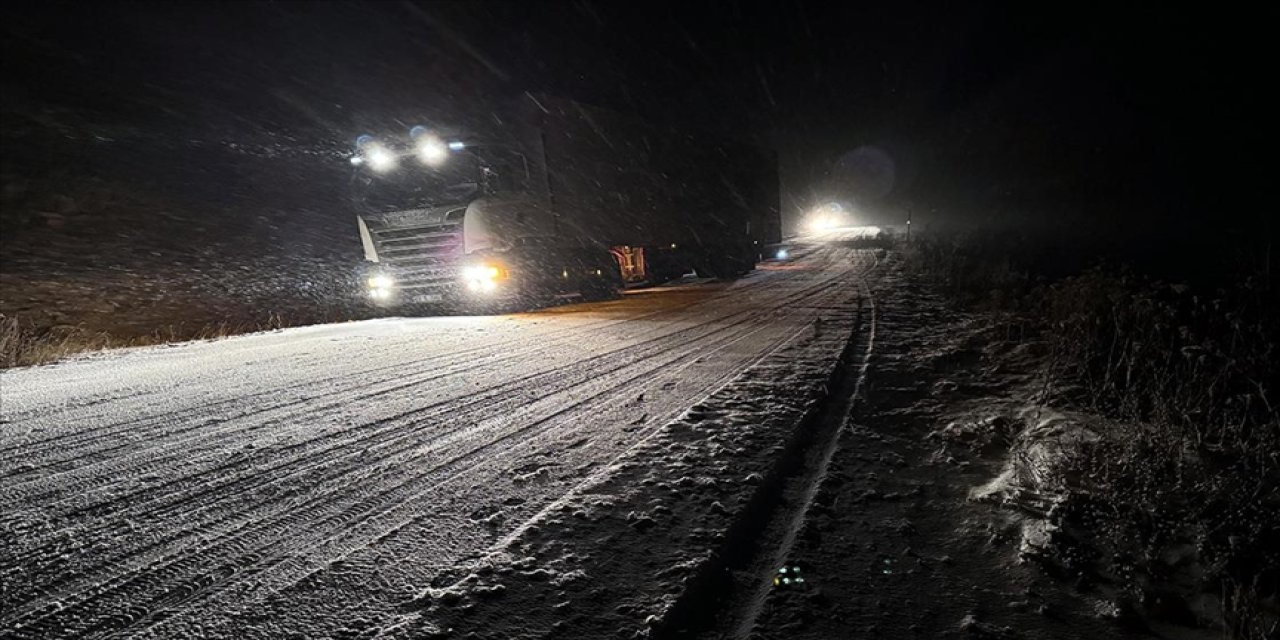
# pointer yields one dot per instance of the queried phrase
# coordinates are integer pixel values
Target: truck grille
(424, 257)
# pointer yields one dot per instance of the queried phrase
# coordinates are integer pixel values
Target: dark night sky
(980, 112)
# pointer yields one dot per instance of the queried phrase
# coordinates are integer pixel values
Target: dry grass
(969, 269)
(1185, 488)
(22, 346)
(1181, 498)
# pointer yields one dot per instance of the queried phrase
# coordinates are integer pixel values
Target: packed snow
(332, 480)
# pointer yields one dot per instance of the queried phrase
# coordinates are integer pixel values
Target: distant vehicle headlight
(782, 254)
(823, 223)
(381, 281)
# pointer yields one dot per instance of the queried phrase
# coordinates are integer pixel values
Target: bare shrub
(1187, 483)
(1180, 496)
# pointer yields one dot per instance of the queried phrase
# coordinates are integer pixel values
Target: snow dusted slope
(315, 481)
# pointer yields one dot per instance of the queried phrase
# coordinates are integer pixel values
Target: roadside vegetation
(1173, 499)
(27, 345)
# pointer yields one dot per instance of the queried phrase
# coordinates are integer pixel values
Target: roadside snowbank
(1041, 444)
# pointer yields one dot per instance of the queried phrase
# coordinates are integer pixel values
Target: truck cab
(466, 227)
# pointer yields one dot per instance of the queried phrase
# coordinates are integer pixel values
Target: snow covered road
(171, 491)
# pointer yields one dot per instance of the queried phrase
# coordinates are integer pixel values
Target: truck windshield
(414, 186)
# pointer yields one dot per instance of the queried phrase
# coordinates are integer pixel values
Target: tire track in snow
(410, 548)
(341, 449)
(88, 438)
(115, 467)
(289, 570)
(356, 391)
(403, 550)
(308, 360)
(735, 314)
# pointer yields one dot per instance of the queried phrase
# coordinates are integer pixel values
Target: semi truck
(556, 198)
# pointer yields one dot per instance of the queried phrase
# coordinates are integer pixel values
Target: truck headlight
(483, 277)
(380, 286)
(431, 150)
(380, 158)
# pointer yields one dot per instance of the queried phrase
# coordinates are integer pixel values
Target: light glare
(431, 150)
(380, 158)
(482, 277)
(821, 223)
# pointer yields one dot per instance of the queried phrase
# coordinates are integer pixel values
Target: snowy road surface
(170, 491)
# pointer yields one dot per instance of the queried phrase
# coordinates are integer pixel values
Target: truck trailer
(556, 198)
